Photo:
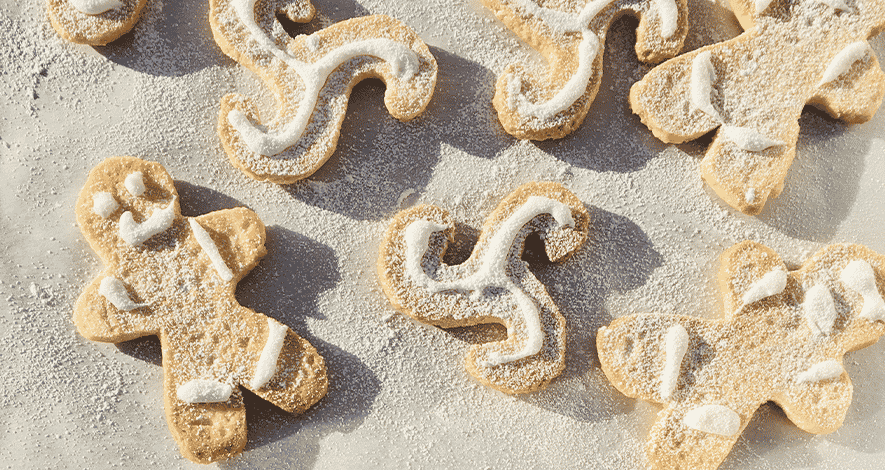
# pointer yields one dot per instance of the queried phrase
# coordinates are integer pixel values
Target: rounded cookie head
(94, 22)
(125, 203)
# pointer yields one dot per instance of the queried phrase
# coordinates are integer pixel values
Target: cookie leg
(674, 446)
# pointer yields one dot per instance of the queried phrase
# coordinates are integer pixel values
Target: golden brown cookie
(753, 88)
(494, 285)
(311, 77)
(94, 22)
(782, 339)
(175, 277)
(570, 34)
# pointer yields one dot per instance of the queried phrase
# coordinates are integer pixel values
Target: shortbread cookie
(311, 77)
(175, 277)
(570, 34)
(494, 285)
(753, 88)
(782, 339)
(94, 22)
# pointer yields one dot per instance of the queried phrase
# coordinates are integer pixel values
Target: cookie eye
(104, 204)
(135, 183)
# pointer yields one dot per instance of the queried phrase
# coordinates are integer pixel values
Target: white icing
(844, 60)
(204, 391)
(826, 370)
(561, 22)
(402, 60)
(135, 183)
(135, 233)
(761, 5)
(859, 277)
(492, 271)
(836, 4)
(819, 309)
(702, 77)
(95, 7)
(115, 291)
(267, 362)
(750, 196)
(748, 139)
(211, 249)
(676, 344)
(669, 15)
(104, 204)
(713, 419)
(772, 283)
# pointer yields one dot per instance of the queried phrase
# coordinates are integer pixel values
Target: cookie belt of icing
(756, 353)
(311, 77)
(468, 294)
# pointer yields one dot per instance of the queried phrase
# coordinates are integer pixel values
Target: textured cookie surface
(753, 88)
(311, 77)
(782, 339)
(570, 34)
(494, 285)
(94, 22)
(175, 277)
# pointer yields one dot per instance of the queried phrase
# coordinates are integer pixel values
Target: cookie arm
(662, 100)
(97, 318)
(239, 236)
(741, 266)
(855, 95)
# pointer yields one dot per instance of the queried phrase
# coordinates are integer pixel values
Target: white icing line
(104, 204)
(135, 233)
(561, 22)
(820, 310)
(208, 245)
(826, 370)
(859, 277)
(748, 139)
(135, 183)
(844, 60)
(669, 15)
(703, 74)
(761, 5)
(713, 419)
(95, 7)
(676, 344)
(836, 4)
(204, 391)
(402, 60)
(772, 283)
(493, 267)
(267, 362)
(115, 291)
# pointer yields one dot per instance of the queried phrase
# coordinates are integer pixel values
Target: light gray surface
(399, 396)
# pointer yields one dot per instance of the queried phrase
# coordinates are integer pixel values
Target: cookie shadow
(822, 184)
(379, 160)
(171, 39)
(618, 257)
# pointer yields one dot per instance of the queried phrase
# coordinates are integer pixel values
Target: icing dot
(713, 419)
(204, 391)
(95, 7)
(669, 15)
(748, 139)
(135, 183)
(859, 277)
(819, 309)
(104, 204)
(844, 60)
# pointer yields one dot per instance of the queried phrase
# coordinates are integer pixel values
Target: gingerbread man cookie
(311, 77)
(175, 277)
(494, 285)
(783, 340)
(753, 88)
(94, 22)
(570, 34)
